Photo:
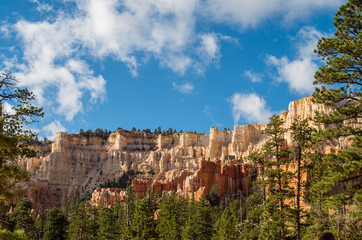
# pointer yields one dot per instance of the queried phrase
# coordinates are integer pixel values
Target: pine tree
(199, 223)
(260, 162)
(55, 227)
(255, 205)
(142, 223)
(81, 223)
(301, 135)
(319, 214)
(277, 178)
(108, 227)
(4, 216)
(16, 235)
(22, 219)
(340, 78)
(12, 136)
(172, 217)
(130, 203)
(225, 227)
(343, 74)
(213, 196)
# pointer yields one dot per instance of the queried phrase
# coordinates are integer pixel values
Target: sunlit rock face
(182, 162)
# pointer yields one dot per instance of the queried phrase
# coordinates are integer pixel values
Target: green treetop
(342, 72)
(56, 224)
(16, 110)
(340, 80)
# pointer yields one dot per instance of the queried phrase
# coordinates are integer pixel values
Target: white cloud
(54, 51)
(8, 109)
(42, 6)
(50, 63)
(246, 13)
(209, 46)
(254, 77)
(163, 28)
(208, 51)
(51, 129)
(185, 88)
(250, 107)
(299, 73)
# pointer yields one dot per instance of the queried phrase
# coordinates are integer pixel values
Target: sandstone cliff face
(182, 162)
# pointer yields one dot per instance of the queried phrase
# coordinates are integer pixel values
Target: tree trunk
(298, 193)
(280, 189)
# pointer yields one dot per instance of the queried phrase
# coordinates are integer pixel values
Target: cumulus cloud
(246, 13)
(55, 49)
(299, 73)
(249, 107)
(209, 46)
(51, 129)
(185, 88)
(208, 51)
(254, 77)
(124, 28)
(42, 6)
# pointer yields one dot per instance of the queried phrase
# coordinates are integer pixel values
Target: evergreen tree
(199, 223)
(343, 74)
(319, 214)
(172, 217)
(130, 203)
(225, 227)
(22, 219)
(277, 178)
(302, 136)
(108, 224)
(340, 78)
(16, 235)
(255, 205)
(142, 223)
(260, 162)
(255, 212)
(213, 196)
(4, 216)
(55, 227)
(12, 136)
(81, 223)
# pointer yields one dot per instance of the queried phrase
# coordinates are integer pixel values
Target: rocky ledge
(182, 162)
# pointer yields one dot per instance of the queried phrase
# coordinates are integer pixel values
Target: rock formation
(183, 162)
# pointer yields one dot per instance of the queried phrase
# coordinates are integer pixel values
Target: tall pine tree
(142, 223)
(301, 134)
(278, 179)
(172, 217)
(13, 137)
(81, 223)
(56, 224)
(23, 219)
(340, 78)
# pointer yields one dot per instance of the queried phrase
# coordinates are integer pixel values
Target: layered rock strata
(183, 162)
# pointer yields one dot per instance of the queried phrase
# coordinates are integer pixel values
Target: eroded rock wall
(182, 161)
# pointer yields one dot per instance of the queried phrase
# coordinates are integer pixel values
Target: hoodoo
(183, 162)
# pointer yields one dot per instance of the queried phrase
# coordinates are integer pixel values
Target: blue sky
(183, 64)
